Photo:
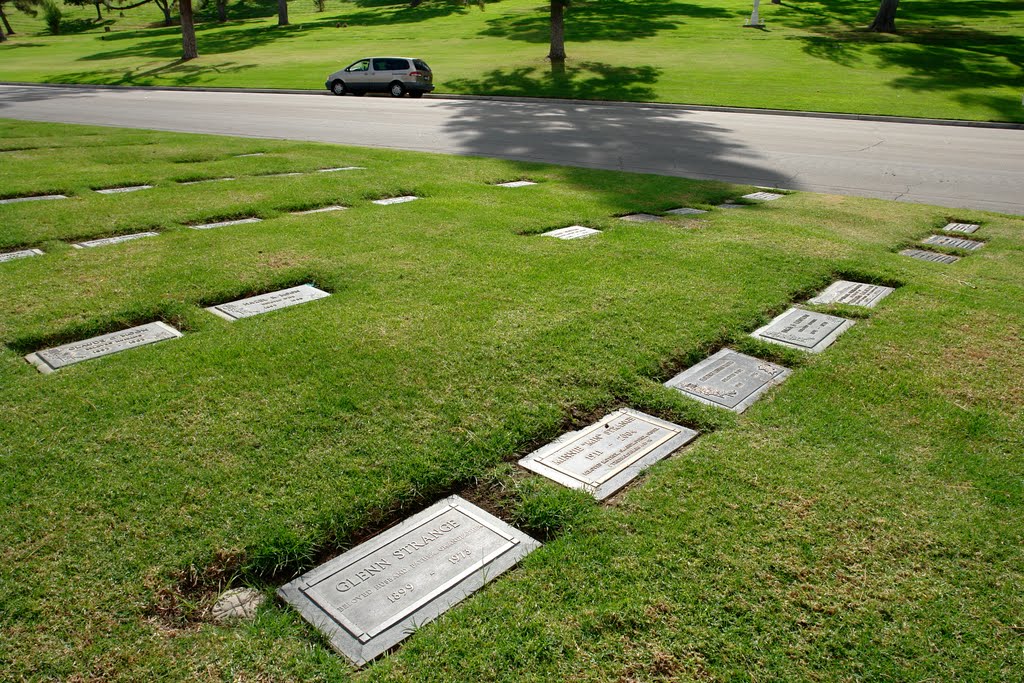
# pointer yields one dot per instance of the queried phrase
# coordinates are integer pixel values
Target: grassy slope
(952, 59)
(861, 522)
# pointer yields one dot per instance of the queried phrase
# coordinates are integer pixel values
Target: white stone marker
(729, 379)
(251, 154)
(685, 211)
(322, 209)
(264, 303)
(764, 196)
(113, 240)
(953, 242)
(963, 228)
(341, 168)
(372, 597)
(236, 604)
(935, 257)
(641, 218)
(395, 200)
(516, 183)
(731, 205)
(36, 198)
(205, 180)
(221, 224)
(573, 232)
(49, 360)
(852, 294)
(607, 455)
(24, 253)
(804, 330)
(279, 175)
(120, 190)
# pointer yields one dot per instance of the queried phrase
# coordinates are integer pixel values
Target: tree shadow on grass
(178, 73)
(605, 20)
(586, 80)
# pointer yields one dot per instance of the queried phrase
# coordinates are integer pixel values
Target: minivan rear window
(420, 64)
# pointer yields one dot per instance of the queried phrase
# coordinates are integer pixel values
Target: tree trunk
(7, 24)
(99, 15)
(557, 53)
(282, 12)
(165, 7)
(885, 20)
(222, 10)
(188, 31)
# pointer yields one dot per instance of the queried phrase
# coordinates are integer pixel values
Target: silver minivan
(395, 75)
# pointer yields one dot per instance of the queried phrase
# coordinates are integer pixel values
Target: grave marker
(641, 218)
(953, 242)
(369, 599)
(731, 205)
(322, 209)
(205, 180)
(113, 240)
(516, 183)
(573, 232)
(23, 253)
(340, 168)
(685, 211)
(34, 198)
(764, 196)
(607, 455)
(56, 358)
(932, 256)
(804, 330)
(221, 224)
(264, 303)
(251, 154)
(279, 175)
(852, 294)
(120, 190)
(963, 228)
(395, 200)
(729, 379)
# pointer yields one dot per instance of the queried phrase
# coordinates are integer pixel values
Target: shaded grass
(958, 60)
(860, 521)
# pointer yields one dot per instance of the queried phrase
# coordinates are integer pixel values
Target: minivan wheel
(397, 89)
(338, 88)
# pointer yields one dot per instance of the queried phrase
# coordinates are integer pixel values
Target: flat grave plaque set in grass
(34, 198)
(264, 303)
(395, 200)
(23, 253)
(222, 224)
(58, 357)
(934, 257)
(372, 597)
(122, 190)
(685, 211)
(322, 209)
(764, 196)
(729, 380)
(962, 228)
(516, 183)
(113, 240)
(852, 294)
(804, 330)
(641, 218)
(953, 242)
(573, 232)
(607, 455)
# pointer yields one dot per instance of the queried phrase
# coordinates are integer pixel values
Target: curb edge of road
(962, 123)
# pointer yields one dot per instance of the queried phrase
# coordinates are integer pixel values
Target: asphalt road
(951, 166)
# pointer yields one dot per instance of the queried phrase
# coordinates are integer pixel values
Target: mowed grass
(957, 60)
(861, 522)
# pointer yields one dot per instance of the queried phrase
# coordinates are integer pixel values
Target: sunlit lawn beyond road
(861, 522)
(950, 59)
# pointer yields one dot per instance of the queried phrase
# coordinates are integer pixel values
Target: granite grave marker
(934, 257)
(804, 330)
(58, 357)
(113, 240)
(517, 183)
(33, 198)
(120, 190)
(573, 232)
(685, 211)
(729, 379)
(23, 253)
(370, 598)
(221, 224)
(953, 242)
(264, 303)
(852, 294)
(963, 228)
(764, 196)
(322, 209)
(641, 218)
(395, 200)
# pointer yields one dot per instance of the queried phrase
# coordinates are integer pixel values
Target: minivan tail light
(417, 73)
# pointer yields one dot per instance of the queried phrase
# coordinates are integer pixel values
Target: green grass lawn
(957, 60)
(861, 522)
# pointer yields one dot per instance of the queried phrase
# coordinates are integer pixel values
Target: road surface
(978, 168)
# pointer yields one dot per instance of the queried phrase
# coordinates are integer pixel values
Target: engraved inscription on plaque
(113, 240)
(963, 228)
(24, 253)
(516, 183)
(729, 379)
(685, 211)
(322, 209)
(340, 168)
(953, 242)
(934, 257)
(764, 196)
(264, 303)
(641, 218)
(371, 598)
(607, 455)
(804, 330)
(221, 224)
(49, 360)
(34, 198)
(852, 294)
(120, 190)
(395, 200)
(573, 232)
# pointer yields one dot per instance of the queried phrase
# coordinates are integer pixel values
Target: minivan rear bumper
(419, 87)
